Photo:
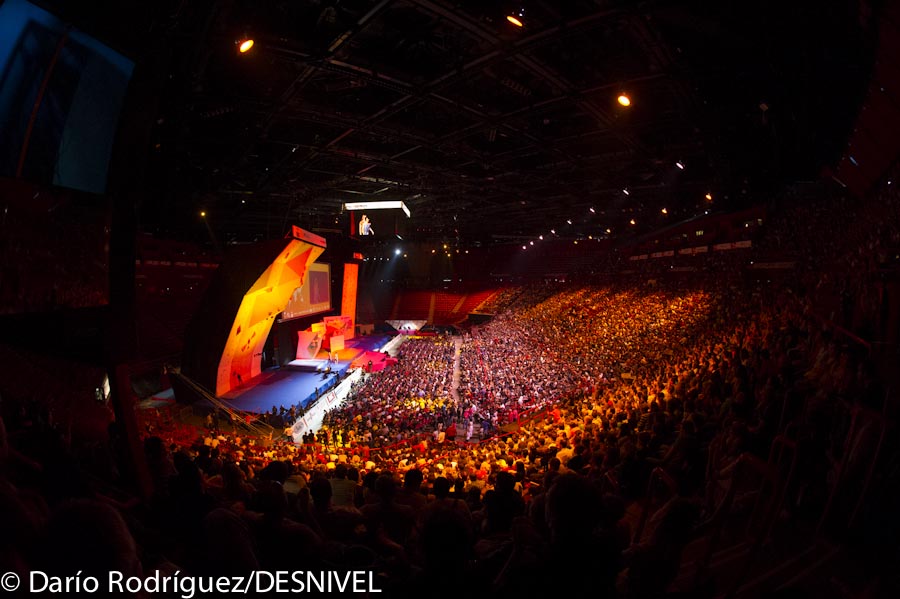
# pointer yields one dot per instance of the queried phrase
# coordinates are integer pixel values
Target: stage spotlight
(709, 196)
(626, 192)
(203, 214)
(569, 221)
(433, 251)
(624, 100)
(514, 20)
(680, 165)
(524, 247)
(530, 243)
(541, 237)
(244, 45)
(397, 252)
(608, 231)
(632, 221)
(593, 211)
(664, 211)
(553, 231)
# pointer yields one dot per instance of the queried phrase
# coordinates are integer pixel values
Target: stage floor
(279, 387)
(295, 383)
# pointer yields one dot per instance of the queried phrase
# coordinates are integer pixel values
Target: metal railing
(759, 523)
(659, 479)
(255, 427)
(861, 417)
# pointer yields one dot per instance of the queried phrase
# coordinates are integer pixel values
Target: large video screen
(61, 92)
(314, 296)
(377, 220)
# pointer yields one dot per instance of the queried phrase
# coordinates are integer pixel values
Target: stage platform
(317, 365)
(297, 382)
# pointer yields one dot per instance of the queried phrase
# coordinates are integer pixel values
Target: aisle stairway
(457, 377)
(454, 385)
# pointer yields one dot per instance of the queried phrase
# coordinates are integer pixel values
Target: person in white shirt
(365, 226)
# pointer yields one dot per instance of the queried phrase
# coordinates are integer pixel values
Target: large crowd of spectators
(630, 379)
(401, 402)
(505, 372)
(586, 391)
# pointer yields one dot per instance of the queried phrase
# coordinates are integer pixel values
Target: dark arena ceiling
(486, 129)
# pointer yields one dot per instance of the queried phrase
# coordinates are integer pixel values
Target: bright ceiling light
(397, 252)
(608, 231)
(245, 45)
(592, 210)
(624, 100)
(626, 192)
(569, 221)
(553, 231)
(541, 237)
(524, 247)
(664, 211)
(514, 20)
(632, 221)
(680, 165)
(709, 196)
(203, 213)
(530, 243)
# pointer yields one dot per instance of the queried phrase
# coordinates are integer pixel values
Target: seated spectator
(343, 490)
(386, 519)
